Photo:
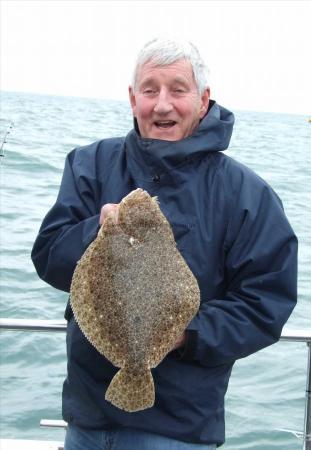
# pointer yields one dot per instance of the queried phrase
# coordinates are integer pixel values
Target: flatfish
(133, 295)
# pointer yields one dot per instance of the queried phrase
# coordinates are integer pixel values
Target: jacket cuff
(92, 227)
(188, 351)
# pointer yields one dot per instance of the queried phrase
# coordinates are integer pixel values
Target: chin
(162, 137)
(170, 135)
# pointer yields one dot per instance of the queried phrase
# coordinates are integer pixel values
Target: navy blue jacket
(229, 226)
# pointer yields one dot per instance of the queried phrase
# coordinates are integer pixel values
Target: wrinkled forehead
(180, 70)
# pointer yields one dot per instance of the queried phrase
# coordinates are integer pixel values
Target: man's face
(166, 102)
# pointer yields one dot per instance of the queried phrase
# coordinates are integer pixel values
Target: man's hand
(109, 208)
(181, 341)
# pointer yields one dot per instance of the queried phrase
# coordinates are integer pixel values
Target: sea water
(266, 391)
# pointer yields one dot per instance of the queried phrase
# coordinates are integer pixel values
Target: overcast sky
(258, 52)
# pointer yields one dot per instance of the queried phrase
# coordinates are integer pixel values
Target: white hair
(165, 51)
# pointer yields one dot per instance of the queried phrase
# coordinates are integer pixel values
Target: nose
(163, 104)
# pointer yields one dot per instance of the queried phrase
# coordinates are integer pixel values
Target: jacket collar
(213, 134)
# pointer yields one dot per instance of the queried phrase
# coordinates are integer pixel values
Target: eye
(149, 91)
(179, 91)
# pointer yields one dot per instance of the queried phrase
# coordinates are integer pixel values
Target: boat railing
(288, 335)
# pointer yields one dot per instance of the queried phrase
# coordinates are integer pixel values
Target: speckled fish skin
(133, 295)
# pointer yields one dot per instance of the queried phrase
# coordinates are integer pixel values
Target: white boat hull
(21, 444)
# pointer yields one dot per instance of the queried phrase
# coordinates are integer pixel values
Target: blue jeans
(125, 439)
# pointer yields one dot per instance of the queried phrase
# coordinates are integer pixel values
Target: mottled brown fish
(133, 295)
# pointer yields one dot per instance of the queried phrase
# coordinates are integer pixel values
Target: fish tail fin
(131, 389)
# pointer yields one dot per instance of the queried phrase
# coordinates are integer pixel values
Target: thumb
(111, 209)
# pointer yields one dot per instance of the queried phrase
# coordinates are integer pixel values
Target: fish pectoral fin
(131, 389)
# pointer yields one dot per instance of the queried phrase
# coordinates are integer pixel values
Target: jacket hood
(213, 134)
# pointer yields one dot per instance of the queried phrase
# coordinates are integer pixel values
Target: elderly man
(229, 226)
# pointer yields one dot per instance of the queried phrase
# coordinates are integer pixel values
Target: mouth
(164, 124)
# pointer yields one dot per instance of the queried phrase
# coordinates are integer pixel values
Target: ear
(204, 102)
(132, 99)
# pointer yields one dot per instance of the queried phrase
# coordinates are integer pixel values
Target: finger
(181, 341)
(110, 209)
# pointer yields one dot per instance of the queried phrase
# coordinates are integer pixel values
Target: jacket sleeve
(68, 228)
(261, 272)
